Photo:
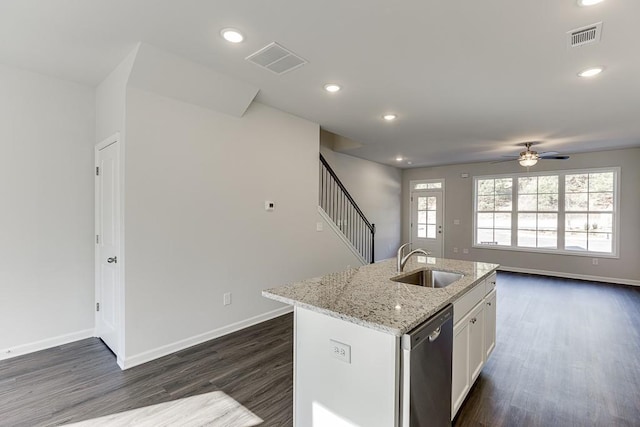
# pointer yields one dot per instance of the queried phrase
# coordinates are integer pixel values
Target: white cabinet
(489, 324)
(476, 341)
(460, 378)
(473, 338)
(468, 354)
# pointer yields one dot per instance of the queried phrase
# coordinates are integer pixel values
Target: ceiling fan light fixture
(528, 158)
(528, 162)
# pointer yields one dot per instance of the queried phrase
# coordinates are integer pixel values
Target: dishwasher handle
(435, 334)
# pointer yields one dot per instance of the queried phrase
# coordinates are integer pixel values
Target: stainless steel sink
(429, 278)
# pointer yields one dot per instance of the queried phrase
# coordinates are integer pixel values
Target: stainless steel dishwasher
(426, 372)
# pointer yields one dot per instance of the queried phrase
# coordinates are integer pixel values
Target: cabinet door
(476, 341)
(460, 366)
(489, 324)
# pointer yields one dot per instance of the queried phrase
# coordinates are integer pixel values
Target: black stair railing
(345, 213)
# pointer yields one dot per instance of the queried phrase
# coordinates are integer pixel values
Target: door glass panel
(431, 203)
(422, 203)
(431, 231)
(422, 231)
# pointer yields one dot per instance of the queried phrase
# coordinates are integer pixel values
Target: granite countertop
(366, 296)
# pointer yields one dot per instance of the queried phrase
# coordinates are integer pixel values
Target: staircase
(347, 217)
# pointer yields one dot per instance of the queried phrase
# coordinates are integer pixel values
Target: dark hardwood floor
(81, 380)
(567, 354)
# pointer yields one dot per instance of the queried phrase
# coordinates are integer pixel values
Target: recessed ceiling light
(409, 163)
(588, 2)
(390, 117)
(332, 87)
(399, 159)
(590, 72)
(232, 35)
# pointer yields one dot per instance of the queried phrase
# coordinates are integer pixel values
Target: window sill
(550, 252)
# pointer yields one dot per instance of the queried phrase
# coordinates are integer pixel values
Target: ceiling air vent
(276, 58)
(585, 35)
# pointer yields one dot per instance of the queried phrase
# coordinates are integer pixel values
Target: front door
(426, 222)
(108, 243)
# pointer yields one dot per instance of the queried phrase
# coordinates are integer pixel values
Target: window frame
(615, 245)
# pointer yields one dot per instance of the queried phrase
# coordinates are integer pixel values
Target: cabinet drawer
(490, 283)
(469, 300)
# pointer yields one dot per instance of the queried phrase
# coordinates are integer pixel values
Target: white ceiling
(469, 80)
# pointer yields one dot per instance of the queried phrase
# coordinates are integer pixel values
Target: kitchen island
(348, 326)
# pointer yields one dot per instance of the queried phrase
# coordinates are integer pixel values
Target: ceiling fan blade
(554, 157)
(548, 153)
(513, 156)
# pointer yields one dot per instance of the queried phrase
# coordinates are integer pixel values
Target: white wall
(111, 97)
(196, 182)
(459, 205)
(46, 187)
(377, 189)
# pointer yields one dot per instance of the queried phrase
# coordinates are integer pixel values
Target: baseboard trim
(147, 356)
(341, 235)
(571, 275)
(32, 347)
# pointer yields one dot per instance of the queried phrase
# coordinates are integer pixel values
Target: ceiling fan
(529, 157)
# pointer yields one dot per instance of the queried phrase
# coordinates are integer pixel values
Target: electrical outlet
(340, 351)
(456, 222)
(455, 250)
(269, 206)
(594, 261)
(319, 226)
(226, 300)
(465, 251)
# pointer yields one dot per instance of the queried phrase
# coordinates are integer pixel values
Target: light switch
(319, 226)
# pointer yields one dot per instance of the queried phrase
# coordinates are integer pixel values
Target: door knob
(112, 260)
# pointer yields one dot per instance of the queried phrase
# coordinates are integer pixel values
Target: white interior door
(108, 244)
(426, 221)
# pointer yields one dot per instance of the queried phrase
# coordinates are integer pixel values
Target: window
(567, 211)
(493, 205)
(436, 185)
(589, 202)
(538, 212)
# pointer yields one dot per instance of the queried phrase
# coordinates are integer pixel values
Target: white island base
(345, 375)
(347, 331)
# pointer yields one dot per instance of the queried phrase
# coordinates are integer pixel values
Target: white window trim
(615, 247)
